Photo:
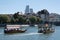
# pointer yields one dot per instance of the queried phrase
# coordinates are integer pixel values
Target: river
(31, 34)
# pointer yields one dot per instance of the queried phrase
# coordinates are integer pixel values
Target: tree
(44, 15)
(32, 19)
(16, 15)
(39, 12)
(22, 20)
(38, 20)
(44, 11)
(4, 19)
(12, 20)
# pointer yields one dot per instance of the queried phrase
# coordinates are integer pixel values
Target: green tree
(4, 19)
(44, 11)
(38, 20)
(16, 15)
(32, 19)
(12, 20)
(22, 20)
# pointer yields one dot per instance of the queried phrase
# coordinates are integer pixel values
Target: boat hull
(47, 31)
(14, 31)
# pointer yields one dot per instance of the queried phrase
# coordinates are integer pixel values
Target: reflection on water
(31, 34)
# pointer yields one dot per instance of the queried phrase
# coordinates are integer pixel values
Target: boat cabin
(11, 27)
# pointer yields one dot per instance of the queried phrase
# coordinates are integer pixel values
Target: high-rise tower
(31, 10)
(27, 9)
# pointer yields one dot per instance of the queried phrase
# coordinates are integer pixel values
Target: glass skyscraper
(27, 9)
(31, 10)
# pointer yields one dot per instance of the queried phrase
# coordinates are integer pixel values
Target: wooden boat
(49, 30)
(13, 29)
(46, 29)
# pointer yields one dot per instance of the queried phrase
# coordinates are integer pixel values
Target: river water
(31, 34)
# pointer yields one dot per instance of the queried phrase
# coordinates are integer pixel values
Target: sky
(12, 6)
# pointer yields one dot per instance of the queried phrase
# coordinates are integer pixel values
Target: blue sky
(12, 6)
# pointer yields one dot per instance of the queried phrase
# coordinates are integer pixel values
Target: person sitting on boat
(46, 25)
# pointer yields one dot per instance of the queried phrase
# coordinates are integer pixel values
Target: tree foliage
(32, 19)
(22, 19)
(4, 19)
(16, 15)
